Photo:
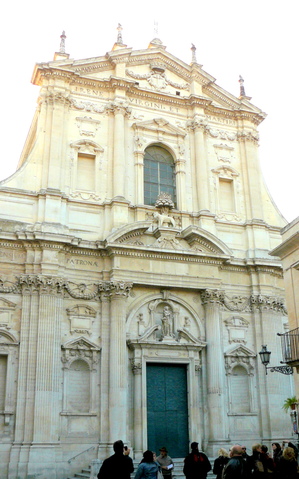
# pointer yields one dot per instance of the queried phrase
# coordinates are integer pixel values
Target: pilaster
(212, 299)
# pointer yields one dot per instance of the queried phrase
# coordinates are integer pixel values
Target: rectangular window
(86, 172)
(226, 195)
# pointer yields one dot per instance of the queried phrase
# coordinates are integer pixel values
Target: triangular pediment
(240, 350)
(80, 343)
(159, 124)
(152, 69)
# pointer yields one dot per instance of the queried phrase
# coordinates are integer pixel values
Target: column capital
(115, 289)
(212, 296)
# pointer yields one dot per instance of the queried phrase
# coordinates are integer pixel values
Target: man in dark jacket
(196, 464)
(119, 465)
(235, 468)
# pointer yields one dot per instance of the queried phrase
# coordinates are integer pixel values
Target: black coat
(219, 464)
(235, 469)
(196, 466)
(117, 466)
(287, 469)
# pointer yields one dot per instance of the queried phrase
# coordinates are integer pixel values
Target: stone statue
(167, 322)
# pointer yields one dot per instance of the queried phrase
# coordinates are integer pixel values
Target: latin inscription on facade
(85, 263)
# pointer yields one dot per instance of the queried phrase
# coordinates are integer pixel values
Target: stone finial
(242, 89)
(193, 49)
(164, 201)
(119, 35)
(62, 42)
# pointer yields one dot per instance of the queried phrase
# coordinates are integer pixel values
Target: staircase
(177, 471)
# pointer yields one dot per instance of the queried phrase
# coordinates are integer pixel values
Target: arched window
(159, 174)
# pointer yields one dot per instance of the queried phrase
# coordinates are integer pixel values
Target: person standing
(287, 466)
(220, 462)
(196, 464)
(148, 468)
(236, 466)
(165, 462)
(119, 465)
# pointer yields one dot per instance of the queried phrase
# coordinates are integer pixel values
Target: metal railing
(72, 458)
(290, 346)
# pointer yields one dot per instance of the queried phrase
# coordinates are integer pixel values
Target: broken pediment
(80, 349)
(191, 240)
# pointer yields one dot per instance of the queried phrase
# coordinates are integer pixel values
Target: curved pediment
(145, 234)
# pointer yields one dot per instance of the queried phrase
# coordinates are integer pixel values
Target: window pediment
(159, 124)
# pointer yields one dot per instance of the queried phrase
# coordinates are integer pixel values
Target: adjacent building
(136, 284)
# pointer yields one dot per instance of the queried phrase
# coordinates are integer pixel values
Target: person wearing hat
(166, 463)
(196, 464)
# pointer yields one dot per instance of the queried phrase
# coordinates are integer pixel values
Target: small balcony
(290, 347)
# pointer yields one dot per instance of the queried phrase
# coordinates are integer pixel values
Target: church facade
(136, 287)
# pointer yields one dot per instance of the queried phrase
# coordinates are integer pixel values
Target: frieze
(155, 104)
(236, 303)
(12, 256)
(157, 80)
(86, 106)
(28, 284)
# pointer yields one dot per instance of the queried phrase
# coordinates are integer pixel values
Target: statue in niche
(166, 328)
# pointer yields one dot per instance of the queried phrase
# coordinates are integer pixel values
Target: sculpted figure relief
(167, 322)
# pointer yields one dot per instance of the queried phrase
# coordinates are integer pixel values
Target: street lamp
(265, 358)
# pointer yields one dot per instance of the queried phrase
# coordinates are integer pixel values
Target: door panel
(167, 408)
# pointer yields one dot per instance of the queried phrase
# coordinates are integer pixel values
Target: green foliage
(288, 403)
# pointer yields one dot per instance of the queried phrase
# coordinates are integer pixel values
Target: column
(137, 371)
(201, 160)
(180, 172)
(104, 381)
(118, 362)
(119, 157)
(48, 366)
(216, 397)
(139, 177)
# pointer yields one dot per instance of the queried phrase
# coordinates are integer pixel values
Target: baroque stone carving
(87, 106)
(236, 302)
(237, 329)
(157, 79)
(268, 303)
(239, 356)
(80, 348)
(87, 126)
(212, 296)
(81, 318)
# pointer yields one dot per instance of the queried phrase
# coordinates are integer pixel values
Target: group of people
(281, 464)
(120, 465)
(237, 464)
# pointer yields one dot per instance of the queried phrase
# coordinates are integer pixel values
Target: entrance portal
(167, 408)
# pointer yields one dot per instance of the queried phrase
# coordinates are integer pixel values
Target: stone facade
(96, 284)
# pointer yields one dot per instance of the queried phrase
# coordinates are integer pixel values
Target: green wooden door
(167, 408)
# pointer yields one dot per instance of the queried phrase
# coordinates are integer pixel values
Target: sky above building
(257, 39)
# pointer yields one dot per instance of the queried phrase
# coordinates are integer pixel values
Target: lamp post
(265, 358)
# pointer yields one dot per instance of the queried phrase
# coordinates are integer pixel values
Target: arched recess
(240, 368)
(80, 358)
(9, 347)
